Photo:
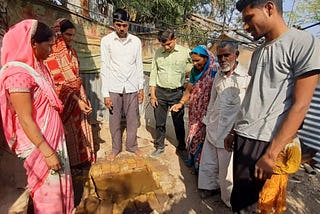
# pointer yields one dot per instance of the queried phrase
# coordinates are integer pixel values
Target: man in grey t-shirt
(284, 74)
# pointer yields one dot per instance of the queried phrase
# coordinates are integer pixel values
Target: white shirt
(226, 96)
(121, 64)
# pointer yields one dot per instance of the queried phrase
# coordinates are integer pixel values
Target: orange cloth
(273, 194)
(64, 68)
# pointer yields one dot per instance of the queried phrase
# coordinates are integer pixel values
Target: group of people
(45, 110)
(242, 127)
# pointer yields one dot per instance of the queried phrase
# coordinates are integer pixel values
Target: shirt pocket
(179, 66)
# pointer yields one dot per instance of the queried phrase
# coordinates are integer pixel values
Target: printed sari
(64, 68)
(51, 191)
(198, 102)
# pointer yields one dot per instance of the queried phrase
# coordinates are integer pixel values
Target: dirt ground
(303, 195)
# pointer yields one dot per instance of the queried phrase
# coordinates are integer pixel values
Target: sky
(287, 6)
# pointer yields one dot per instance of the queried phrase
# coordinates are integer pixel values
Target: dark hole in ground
(116, 188)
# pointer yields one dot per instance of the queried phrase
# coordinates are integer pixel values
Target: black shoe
(156, 153)
(205, 193)
(181, 146)
(182, 153)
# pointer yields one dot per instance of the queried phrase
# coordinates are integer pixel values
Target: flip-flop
(111, 157)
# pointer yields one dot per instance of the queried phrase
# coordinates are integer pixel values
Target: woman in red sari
(198, 92)
(64, 68)
(30, 115)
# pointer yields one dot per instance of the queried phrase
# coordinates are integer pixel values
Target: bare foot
(138, 153)
(112, 156)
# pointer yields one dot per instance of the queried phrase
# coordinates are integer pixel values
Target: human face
(68, 36)
(199, 61)
(168, 46)
(227, 58)
(43, 49)
(121, 28)
(256, 21)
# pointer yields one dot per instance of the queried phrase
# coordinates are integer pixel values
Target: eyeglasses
(121, 25)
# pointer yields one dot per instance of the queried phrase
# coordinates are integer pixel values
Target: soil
(179, 181)
(303, 191)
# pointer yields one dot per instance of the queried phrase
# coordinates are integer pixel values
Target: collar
(125, 40)
(238, 71)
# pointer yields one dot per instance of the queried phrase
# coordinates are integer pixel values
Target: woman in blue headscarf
(198, 94)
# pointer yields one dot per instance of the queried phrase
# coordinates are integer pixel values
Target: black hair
(65, 25)
(121, 15)
(43, 33)
(241, 4)
(164, 36)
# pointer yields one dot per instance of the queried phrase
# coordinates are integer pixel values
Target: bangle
(182, 101)
(153, 98)
(48, 156)
(39, 144)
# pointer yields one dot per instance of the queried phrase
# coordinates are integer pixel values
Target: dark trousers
(246, 188)
(166, 98)
(128, 104)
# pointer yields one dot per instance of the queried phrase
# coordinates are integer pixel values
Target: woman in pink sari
(30, 116)
(198, 92)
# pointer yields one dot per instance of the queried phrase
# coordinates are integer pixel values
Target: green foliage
(173, 14)
(305, 11)
(224, 11)
(167, 13)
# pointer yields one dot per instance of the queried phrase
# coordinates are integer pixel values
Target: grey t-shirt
(273, 69)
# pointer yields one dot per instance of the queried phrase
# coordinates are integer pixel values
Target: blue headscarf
(195, 74)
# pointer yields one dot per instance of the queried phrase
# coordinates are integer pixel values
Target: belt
(171, 89)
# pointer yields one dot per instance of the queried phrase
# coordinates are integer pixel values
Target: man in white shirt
(227, 93)
(122, 82)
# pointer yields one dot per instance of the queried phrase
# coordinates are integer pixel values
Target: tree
(169, 13)
(304, 11)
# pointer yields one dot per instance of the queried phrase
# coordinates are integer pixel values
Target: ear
(237, 53)
(270, 8)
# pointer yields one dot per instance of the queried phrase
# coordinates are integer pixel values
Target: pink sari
(51, 192)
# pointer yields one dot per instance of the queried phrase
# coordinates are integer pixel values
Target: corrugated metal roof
(310, 133)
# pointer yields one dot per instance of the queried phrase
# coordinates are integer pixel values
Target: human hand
(176, 107)
(108, 103)
(154, 102)
(52, 161)
(49, 155)
(229, 142)
(84, 107)
(140, 96)
(264, 167)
